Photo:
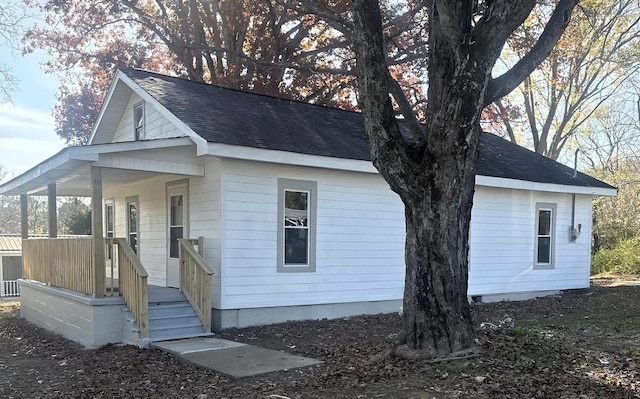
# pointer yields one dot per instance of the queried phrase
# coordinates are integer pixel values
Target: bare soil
(582, 344)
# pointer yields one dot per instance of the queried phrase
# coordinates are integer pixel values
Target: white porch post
(53, 211)
(24, 217)
(96, 232)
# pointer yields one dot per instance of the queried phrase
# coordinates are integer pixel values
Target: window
(138, 121)
(296, 225)
(176, 224)
(109, 219)
(132, 222)
(545, 235)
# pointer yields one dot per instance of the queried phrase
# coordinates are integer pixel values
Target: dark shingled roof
(228, 116)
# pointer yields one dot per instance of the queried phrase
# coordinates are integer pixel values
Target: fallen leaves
(539, 349)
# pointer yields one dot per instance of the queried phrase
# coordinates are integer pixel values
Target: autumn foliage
(293, 49)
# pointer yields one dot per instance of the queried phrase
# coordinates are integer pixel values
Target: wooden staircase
(171, 316)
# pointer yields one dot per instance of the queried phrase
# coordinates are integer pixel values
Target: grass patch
(617, 320)
(523, 331)
(9, 308)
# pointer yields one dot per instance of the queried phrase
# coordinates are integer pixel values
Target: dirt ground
(583, 344)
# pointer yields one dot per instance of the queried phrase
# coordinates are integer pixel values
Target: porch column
(24, 217)
(53, 211)
(96, 232)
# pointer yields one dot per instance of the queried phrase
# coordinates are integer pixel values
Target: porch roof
(10, 243)
(69, 168)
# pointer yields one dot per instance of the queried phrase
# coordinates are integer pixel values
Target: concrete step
(167, 334)
(173, 318)
(171, 309)
(174, 321)
(170, 317)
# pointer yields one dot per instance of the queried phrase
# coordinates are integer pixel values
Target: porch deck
(94, 322)
(155, 293)
(69, 269)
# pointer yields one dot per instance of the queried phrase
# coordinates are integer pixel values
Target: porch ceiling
(77, 183)
(121, 162)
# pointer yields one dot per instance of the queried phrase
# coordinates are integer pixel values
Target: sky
(26, 127)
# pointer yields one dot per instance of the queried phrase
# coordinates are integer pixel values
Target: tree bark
(433, 172)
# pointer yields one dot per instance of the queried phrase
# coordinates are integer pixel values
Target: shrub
(624, 258)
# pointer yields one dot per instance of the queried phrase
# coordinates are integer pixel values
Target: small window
(109, 218)
(132, 223)
(296, 225)
(545, 235)
(176, 224)
(138, 121)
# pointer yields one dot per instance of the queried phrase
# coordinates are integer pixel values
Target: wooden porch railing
(60, 262)
(132, 278)
(196, 279)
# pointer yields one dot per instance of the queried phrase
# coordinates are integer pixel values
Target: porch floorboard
(157, 293)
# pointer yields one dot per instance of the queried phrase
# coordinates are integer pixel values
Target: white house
(10, 265)
(295, 222)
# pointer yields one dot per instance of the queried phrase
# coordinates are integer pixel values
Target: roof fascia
(288, 158)
(105, 105)
(89, 153)
(62, 157)
(500, 182)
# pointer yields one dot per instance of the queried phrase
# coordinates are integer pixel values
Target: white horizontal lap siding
(359, 238)
(204, 218)
(177, 160)
(156, 125)
(502, 242)
(152, 227)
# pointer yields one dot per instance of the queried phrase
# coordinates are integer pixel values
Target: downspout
(574, 233)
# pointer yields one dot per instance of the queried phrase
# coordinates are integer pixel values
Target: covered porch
(105, 269)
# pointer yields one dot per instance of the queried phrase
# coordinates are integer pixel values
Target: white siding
(360, 236)
(359, 245)
(156, 125)
(175, 160)
(204, 218)
(152, 231)
(502, 242)
(152, 208)
(360, 240)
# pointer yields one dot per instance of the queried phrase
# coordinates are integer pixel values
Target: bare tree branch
(504, 84)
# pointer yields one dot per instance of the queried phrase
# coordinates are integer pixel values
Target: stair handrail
(132, 278)
(196, 278)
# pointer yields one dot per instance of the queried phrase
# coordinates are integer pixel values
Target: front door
(176, 228)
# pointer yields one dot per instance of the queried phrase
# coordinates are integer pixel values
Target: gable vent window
(138, 121)
(545, 235)
(296, 225)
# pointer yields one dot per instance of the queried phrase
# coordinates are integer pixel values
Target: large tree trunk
(436, 315)
(432, 167)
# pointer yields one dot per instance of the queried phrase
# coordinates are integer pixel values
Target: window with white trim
(138, 121)
(296, 225)
(109, 224)
(545, 235)
(132, 222)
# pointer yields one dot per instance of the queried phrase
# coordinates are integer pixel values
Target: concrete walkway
(231, 358)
